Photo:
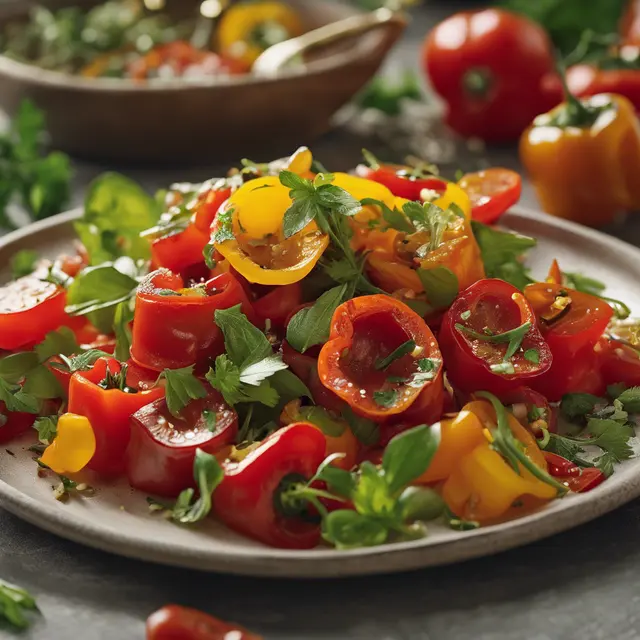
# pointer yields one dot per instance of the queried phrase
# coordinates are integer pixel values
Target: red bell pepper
(162, 448)
(571, 323)
(588, 479)
(560, 467)
(247, 499)
(401, 180)
(619, 362)
(475, 339)
(208, 204)
(276, 305)
(108, 409)
(29, 309)
(173, 622)
(492, 192)
(381, 358)
(174, 326)
(589, 80)
(14, 423)
(180, 251)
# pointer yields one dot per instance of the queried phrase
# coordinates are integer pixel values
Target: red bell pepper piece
(590, 79)
(180, 251)
(571, 323)
(474, 353)
(588, 479)
(173, 622)
(492, 192)
(560, 467)
(247, 498)
(108, 410)
(208, 205)
(29, 309)
(276, 305)
(400, 180)
(364, 363)
(14, 423)
(619, 362)
(162, 448)
(174, 326)
(533, 401)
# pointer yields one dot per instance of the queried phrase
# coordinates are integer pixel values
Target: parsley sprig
(14, 601)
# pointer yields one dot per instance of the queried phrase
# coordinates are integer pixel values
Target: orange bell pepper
(259, 250)
(484, 485)
(583, 158)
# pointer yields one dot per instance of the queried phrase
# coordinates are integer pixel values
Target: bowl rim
(31, 73)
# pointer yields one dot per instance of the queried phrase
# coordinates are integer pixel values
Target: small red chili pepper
(162, 448)
(248, 499)
(588, 479)
(174, 325)
(108, 409)
(560, 467)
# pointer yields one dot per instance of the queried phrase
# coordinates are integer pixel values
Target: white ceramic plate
(117, 518)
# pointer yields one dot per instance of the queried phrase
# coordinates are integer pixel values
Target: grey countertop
(581, 584)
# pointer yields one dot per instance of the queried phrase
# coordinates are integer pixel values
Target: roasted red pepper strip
(588, 479)
(247, 498)
(381, 358)
(174, 326)
(29, 309)
(571, 323)
(108, 411)
(560, 467)
(14, 423)
(162, 447)
(492, 192)
(489, 308)
(173, 622)
(180, 251)
(401, 180)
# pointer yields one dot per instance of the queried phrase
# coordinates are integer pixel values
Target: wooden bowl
(269, 112)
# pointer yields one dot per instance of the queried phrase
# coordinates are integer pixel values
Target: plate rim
(326, 563)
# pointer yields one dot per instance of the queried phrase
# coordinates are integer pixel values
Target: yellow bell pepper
(259, 250)
(300, 162)
(458, 437)
(483, 486)
(247, 29)
(73, 447)
(454, 194)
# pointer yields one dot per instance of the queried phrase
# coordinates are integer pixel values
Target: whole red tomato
(489, 67)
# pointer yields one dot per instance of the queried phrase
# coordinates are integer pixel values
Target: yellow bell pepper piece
(455, 195)
(300, 162)
(73, 447)
(246, 29)
(259, 250)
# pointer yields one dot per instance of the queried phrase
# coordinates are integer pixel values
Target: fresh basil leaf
(310, 326)
(294, 182)
(289, 386)
(41, 383)
(121, 319)
(366, 431)
(337, 200)
(372, 495)
(394, 218)
(420, 504)
(98, 289)
(440, 285)
(630, 399)
(264, 394)
(59, 342)
(116, 212)
(583, 284)
(17, 400)
(321, 418)
(301, 212)
(15, 366)
(23, 263)
(346, 529)
(182, 387)
(408, 455)
(208, 474)
(245, 344)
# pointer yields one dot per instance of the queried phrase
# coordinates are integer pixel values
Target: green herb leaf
(611, 436)
(337, 200)
(370, 159)
(394, 218)
(208, 475)
(13, 600)
(385, 398)
(81, 362)
(406, 347)
(532, 355)
(630, 399)
(210, 419)
(42, 384)
(427, 370)
(60, 342)
(16, 399)
(408, 455)
(420, 504)
(338, 480)
(121, 319)
(347, 529)
(182, 387)
(310, 326)
(440, 285)
(96, 292)
(366, 431)
(23, 263)
(373, 496)
(583, 284)
(501, 253)
(255, 373)
(578, 405)
(386, 94)
(288, 386)
(116, 212)
(47, 428)
(224, 226)
(503, 368)
(320, 417)
(14, 368)
(513, 337)
(225, 377)
(207, 253)
(245, 344)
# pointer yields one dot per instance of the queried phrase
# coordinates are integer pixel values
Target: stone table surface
(582, 584)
